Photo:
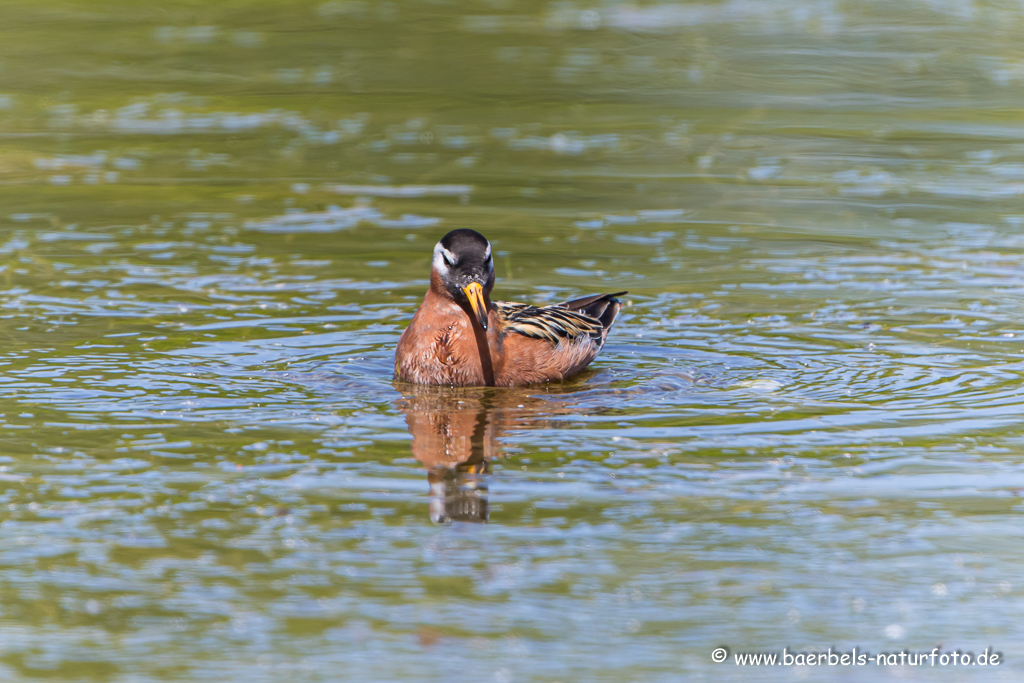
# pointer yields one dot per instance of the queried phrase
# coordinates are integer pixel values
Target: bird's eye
(447, 260)
(487, 261)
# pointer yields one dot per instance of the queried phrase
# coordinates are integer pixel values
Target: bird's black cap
(465, 242)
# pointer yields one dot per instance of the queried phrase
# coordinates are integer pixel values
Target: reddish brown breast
(440, 347)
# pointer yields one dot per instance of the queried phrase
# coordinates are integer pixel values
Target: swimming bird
(459, 337)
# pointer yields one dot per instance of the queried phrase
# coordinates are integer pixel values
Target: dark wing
(580, 318)
(603, 307)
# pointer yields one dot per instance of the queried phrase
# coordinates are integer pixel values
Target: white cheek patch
(487, 252)
(439, 265)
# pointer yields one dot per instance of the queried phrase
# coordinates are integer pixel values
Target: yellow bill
(475, 293)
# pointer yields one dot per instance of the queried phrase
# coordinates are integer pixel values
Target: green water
(805, 431)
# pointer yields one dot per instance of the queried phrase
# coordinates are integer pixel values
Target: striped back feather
(553, 323)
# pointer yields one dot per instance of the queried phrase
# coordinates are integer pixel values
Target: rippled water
(805, 430)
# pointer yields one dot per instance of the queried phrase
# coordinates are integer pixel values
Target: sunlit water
(805, 430)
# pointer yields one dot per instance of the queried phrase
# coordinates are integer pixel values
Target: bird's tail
(604, 307)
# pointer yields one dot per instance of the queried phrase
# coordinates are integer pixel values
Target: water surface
(805, 430)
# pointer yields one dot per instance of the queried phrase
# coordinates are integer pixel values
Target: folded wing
(583, 318)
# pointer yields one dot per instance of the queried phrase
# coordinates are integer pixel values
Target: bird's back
(538, 344)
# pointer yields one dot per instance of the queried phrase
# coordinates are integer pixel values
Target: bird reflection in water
(455, 434)
(454, 437)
